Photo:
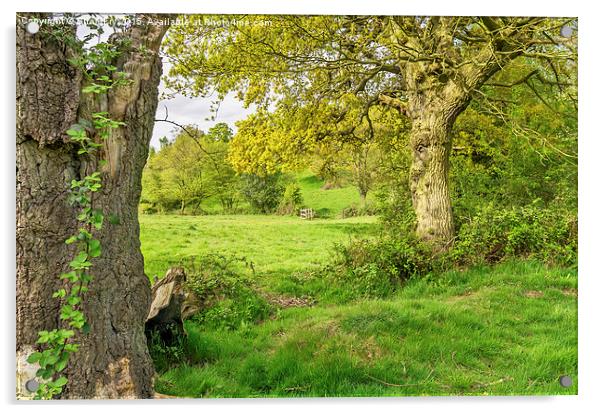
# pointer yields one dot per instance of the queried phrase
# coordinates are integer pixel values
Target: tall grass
(509, 329)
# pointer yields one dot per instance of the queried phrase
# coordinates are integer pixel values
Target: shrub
(375, 268)
(355, 210)
(227, 292)
(494, 234)
(292, 200)
(146, 208)
(398, 258)
(394, 204)
(264, 193)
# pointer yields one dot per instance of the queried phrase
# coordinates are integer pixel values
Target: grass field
(508, 329)
(277, 245)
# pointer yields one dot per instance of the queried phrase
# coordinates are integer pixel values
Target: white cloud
(195, 111)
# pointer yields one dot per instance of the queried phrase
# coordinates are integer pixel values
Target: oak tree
(309, 69)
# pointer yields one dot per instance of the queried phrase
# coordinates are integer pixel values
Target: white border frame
(590, 148)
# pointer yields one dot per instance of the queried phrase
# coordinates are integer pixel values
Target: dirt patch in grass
(285, 301)
(572, 292)
(460, 297)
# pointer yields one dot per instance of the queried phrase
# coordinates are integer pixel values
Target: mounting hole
(32, 385)
(566, 31)
(32, 27)
(565, 381)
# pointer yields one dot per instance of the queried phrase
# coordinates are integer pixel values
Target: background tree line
(332, 77)
(193, 171)
(513, 175)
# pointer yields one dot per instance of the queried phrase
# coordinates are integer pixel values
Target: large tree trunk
(113, 361)
(433, 108)
(431, 144)
(436, 95)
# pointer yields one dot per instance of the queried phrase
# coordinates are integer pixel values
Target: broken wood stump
(172, 303)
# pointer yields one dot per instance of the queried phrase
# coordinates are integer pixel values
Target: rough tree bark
(432, 113)
(430, 145)
(113, 361)
(436, 95)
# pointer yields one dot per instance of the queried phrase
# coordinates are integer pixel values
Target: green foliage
(220, 132)
(53, 360)
(57, 345)
(365, 269)
(264, 193)
(188, 171)
(292, 200)
(166, 356)
(492, 163)
(176, 176)
(225, 287)
(376, 268)
(496, 233)
(355, 210)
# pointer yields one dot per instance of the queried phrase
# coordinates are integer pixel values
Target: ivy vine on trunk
(84, 122)
(59, 343)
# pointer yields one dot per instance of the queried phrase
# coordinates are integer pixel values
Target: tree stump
(171, 304)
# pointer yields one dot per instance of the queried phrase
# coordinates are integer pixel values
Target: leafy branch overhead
(340, 79)
(302, 60)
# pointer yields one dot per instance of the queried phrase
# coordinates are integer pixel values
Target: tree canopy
(317, 79)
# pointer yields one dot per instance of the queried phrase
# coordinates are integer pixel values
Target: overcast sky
(188, 111)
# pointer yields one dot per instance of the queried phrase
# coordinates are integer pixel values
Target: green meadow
(276, 245)
(505, 329)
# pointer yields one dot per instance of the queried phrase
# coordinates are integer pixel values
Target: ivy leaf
(76, 323)
(97, 218)
(83, 234)
(77, 132)
(43, 337)
(62, 363)
(65, 334)
(45, 373)
(34, 357)
(74, 300)
(71, 239)
(71, 276)
(61, 381)
(86, 278)
(66, 312)
(94, 248)
(81, 256)
(80, 261)
(59, 294)
(51, 360)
